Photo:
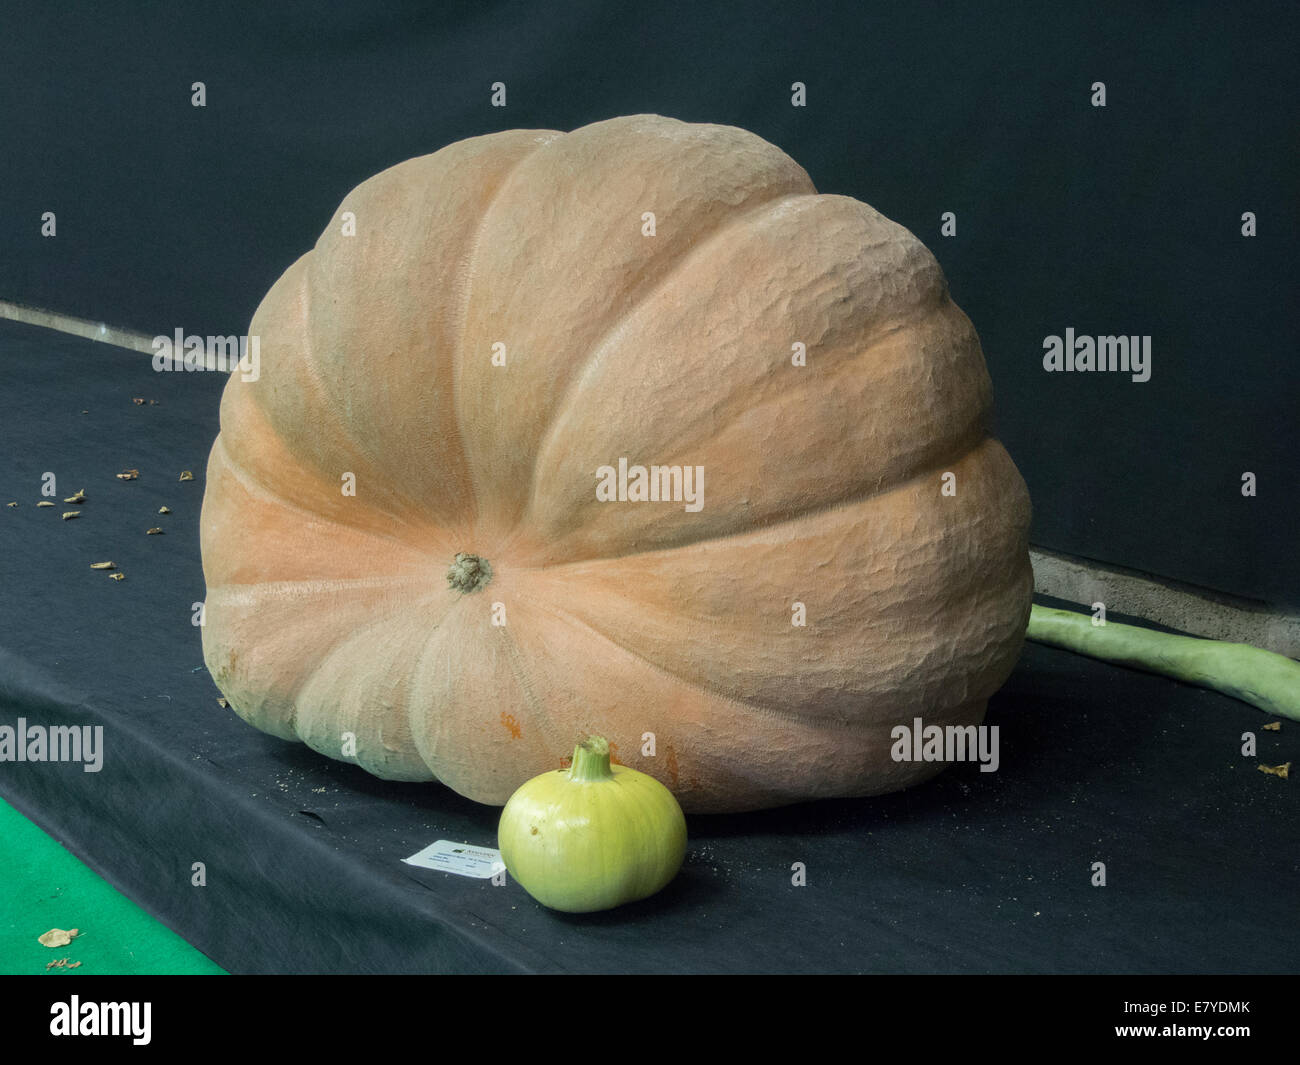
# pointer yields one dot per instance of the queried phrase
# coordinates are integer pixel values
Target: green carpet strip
(43, 886)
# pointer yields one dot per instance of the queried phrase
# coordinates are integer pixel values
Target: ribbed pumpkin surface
(330, 614)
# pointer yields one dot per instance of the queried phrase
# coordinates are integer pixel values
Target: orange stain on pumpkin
(512, 726)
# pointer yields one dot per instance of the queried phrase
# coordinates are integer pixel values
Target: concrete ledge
(82, 327)
(1185, 607)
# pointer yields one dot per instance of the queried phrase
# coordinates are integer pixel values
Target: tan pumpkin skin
(330, 614)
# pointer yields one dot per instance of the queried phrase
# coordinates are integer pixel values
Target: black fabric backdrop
(972, 872)
(1117, 220)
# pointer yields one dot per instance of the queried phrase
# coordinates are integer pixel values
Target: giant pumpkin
(428, 535)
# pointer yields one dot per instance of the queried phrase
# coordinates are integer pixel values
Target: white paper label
(459, 858)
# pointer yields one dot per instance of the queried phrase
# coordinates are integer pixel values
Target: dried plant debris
(1273, 726)
(58, 937)
(1283, 770)
(45, 503)
(223, 703)
(128, 475)
(77, 497)
(138, 400)
(118, 576)
(164, 510)
(61, 963)
(155, 531)
(11, 504)
(68, 515)
(103, 565)
(186, 475)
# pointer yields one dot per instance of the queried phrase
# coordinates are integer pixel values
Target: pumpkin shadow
(1041, 712)
(301, 773)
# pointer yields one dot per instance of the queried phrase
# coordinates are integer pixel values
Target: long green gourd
(1263, 679)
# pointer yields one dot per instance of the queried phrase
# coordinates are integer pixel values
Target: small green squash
(593, 836)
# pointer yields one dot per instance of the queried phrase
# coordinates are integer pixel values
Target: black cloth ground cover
(972, 872)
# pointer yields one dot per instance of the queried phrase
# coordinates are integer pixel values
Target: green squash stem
(1263, 679)
(591, 760)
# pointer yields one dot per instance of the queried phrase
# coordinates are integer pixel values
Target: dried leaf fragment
(73, 964)
(68, 515)
(1282, 770)
(117, 576)
(128, 475)
(79, 496)
(138, 401)
(11, 504)
(186, 475)
(1273, 726)
(223, 703)
(155, 531)
(57, 937)
(164, 510)
(45, 503)
(103, 565)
